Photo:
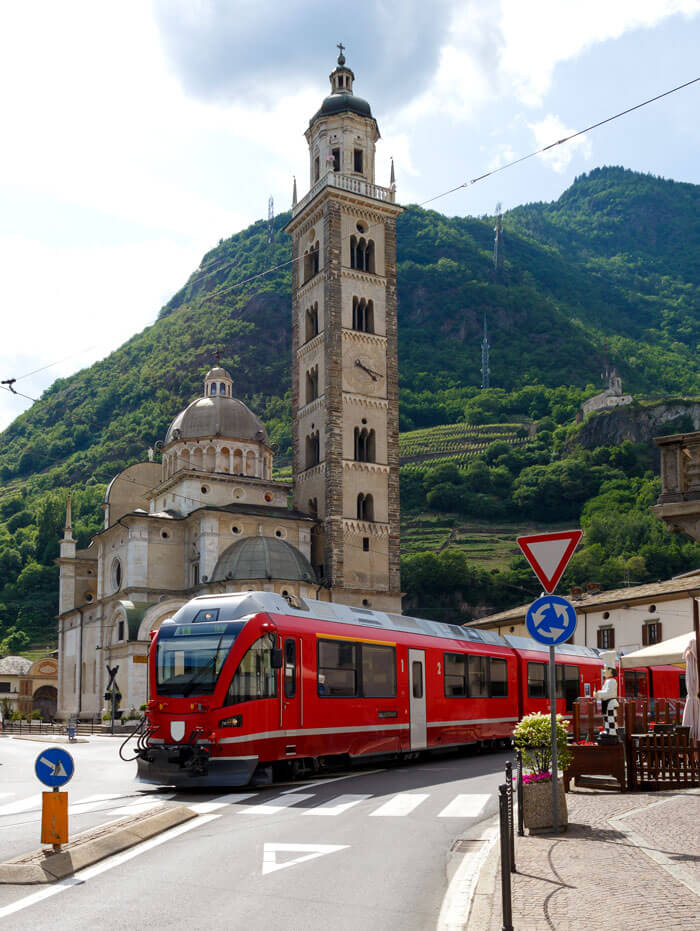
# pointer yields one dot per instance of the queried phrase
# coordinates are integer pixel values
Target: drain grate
(461, 846)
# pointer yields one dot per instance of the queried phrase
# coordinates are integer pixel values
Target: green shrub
(36, 715)
(533, 735)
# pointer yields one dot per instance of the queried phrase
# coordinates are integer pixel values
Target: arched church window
(312, 384)
(116, 574)
(312, 321)
(313, 450)
(365, 507)
(317, 168)
(336, 159)
(362, 315)
(357, 161)
(212, 388)
(222, 388)
(353, 252)
(313, 507)
(364, 445)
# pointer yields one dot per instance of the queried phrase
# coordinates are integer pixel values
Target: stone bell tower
(345, 370)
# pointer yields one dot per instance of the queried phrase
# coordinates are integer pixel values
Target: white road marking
(94, 803)
(336, 806)
(104, 865)
(6, 794)
(399, 805)
(307, 851)
(465, 806)
(323, 782)
(144, 805)
(25, 804)
(221, 801)
(279, 804)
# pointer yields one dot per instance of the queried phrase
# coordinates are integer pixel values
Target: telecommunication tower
(270, 225)
(485, 371)
(498, 243)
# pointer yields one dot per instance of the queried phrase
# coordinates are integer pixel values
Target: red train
(652, 682)
(253, 686)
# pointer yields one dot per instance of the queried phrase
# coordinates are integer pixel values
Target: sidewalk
(630, 860)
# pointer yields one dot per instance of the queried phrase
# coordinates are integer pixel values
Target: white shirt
(609, 691)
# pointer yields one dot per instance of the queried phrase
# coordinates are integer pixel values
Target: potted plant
(533, 736)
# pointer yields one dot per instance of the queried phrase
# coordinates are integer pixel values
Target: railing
(663, 760)
(680, 467)
(345, 183)
(635, 715)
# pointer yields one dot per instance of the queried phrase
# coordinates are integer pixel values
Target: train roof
(246, 603)
(566, 649)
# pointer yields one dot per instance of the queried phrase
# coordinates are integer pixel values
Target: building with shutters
(624, 619)
(208, 517)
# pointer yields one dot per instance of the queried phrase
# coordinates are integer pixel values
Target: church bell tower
(345, 368)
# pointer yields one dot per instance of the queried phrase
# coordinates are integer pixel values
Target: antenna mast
(270, 225)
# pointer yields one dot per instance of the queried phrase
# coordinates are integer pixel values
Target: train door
(291, 683)
(416, 685)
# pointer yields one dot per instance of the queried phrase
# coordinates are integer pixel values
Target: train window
(290, 667)
(478, 677)
(255, 678)
(417, 675)
(337, 668)
(498, 678)
(536, 680)
(455, 675)
(567, 684)
(378, 671)
(635, 683)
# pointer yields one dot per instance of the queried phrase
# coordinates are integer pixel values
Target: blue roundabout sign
(551, 620)
(54, 767)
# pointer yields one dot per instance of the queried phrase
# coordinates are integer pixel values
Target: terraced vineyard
(458, 443)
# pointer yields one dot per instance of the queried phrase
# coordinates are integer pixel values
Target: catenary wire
(430, 200)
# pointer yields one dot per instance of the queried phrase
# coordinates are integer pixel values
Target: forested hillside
(611, 267)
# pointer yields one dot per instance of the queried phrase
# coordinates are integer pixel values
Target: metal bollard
(506, 904)
(521, 825)
(511, 819)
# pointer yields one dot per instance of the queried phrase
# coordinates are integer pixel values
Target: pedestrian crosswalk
(260, 804)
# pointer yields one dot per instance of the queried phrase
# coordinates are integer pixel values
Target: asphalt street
(363, 850)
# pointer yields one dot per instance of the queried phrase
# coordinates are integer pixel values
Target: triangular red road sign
(549, 554)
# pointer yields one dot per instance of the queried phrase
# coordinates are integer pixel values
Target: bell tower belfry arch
(344, 362)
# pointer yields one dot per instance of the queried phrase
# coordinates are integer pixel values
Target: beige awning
(667, 653)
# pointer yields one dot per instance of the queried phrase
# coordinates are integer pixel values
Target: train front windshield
(190, 656)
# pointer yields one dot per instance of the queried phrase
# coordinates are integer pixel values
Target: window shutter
(600, 639)
(611, 638)
(645, 634)
(659, 636)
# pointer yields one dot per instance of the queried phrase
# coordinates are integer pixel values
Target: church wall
(365, 478)
(366, 570)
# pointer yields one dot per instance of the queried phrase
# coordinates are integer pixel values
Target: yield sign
(549, 554)
(303, 852)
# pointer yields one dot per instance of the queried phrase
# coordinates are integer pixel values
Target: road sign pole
(553, 714)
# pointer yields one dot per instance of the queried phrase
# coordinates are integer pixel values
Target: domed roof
(217, 416)
(339, 103)
(263, 558)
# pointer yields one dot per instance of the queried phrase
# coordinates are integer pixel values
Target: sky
(137, 134)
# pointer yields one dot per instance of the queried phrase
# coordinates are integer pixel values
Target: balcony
(679, 502)
(352, 183)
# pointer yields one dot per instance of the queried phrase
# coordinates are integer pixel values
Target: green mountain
(610, 270)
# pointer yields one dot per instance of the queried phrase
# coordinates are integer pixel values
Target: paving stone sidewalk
(627, 860)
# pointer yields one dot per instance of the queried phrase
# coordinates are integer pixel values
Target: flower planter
(537, 805)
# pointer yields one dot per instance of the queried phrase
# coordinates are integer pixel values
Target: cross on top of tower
(341, 57)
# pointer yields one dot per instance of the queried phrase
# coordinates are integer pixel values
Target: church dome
(263, 558)
(217, 416)
(342, 103)
(218, 413)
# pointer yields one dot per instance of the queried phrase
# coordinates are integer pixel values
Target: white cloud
(78, 302)
(551, 130)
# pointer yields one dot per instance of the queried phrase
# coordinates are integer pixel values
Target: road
(364, 850)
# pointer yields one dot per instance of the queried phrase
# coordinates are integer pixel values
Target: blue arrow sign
(551, 620)
(54, 767)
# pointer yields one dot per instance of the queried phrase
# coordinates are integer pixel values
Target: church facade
(209, 517)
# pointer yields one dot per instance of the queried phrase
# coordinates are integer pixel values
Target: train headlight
(234, 721)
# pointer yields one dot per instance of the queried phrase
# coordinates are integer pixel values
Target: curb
(47, 867)
(465, 882)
